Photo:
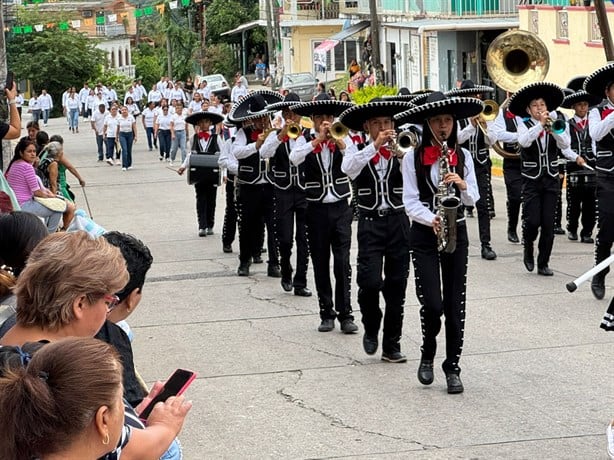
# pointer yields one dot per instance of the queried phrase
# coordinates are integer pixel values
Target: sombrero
(323, 105)
(551, 94)
(596, 82)
(421, 94)
(438, 104)
(254, 105)
(468, 88)
(576, 83)
(196, 117)
(290, 99)
(354, 117)
(580, 96)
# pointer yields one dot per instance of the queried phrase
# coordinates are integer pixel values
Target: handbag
(55, 204)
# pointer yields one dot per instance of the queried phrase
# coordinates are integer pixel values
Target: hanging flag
(112, 18)
(38, 27)
(148, 10)
(63, 26)
(172, 5)
(138, 13)
(76, 24)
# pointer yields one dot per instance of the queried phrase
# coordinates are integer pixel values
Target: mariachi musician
(229, 167)
(383, 227)
(329, 216)
(601, 128)
(580, 182)
(255, 192)
(290, 199)
(204, 143)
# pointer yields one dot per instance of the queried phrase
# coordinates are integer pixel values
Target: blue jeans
(99, 144)
(45, 115)
(179, 142)
(52, 218)
(164, 138)
(36, 115)
(110, 147)
(73, 119)
(150, 137)
(126, 140)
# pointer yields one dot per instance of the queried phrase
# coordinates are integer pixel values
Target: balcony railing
(311, 10)
(110, 30)
(439, 8)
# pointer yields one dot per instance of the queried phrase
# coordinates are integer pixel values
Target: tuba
(447, 204)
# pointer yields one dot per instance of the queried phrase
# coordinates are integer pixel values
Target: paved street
(536, 366)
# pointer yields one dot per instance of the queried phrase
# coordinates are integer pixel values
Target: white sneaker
(170, 162)
(124, 169)
(110, 161)
(129, 167)
(609, 432)
(117, 162)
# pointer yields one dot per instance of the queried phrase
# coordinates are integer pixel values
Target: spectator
(238, 91)
(260, 69)
(354, 68)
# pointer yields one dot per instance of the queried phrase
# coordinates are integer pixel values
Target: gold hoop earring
(106, 439)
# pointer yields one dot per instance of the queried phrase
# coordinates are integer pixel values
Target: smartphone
(174, 386)
(10, 78)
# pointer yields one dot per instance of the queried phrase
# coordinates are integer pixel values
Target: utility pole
(269, 33)
(604, 28)
(375, 57)
(277, 45)
(6, 145)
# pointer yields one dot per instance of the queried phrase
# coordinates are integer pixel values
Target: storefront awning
(331, 42)
(246, 26)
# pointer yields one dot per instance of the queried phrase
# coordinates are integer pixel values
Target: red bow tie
(581, 124)
(509, 114)
(356, 139)
(329, 144)
(382, 152)
(606, 112)
(255, 134)
(204, 135)
(431, 156)
(285, 139)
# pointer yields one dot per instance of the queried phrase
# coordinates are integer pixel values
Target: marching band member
(203, 142)
(472, 138)
(601, 128)
(230, 168)
(329, 217)
(255, 194)
(540, 141)
(440, 276)
(383, 227)
(289, 195)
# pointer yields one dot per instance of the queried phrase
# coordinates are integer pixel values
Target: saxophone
(447, 204)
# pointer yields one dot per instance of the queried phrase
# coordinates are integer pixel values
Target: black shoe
(257, 260)
(202, 232)
(348, 326)
(587, 239)
(425, 372)
(491, 215)
(302, 292)
(529, 262)
(512, 236)
(488, 253)
(286, 285)
(227, 248)
(369, 343)
(545, 271)
(394, 357)
(209, 231)
(326, 325)
(455, 385)
(559, 231)
(274, 271)
(598, 287)
(470, 213)
(573, 236)
(243, 270)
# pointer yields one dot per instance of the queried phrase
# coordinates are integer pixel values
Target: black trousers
(605, 219)
(230, 214)
(255, 206)
(580, 201)
(441, 280)
(513, 188)
(329, 228)
(558, 215)
(483, 205)
(383, 245)
(539, 206)
(206, 195)
(290, 211)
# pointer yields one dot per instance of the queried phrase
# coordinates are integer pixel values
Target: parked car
(216, 83)
(303, 84)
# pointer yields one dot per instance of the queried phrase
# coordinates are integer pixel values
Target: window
(339, 58)
(534, 21)
(595, 33)
(562, 29)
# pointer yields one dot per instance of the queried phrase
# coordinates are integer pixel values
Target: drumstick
(575, 284)
(586, 166)
(172, 169)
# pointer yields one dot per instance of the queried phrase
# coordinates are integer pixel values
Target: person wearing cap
(290, 199)
(329, 217)
(539, 166)
(383, 228)
(580, 184)
(440, 276)
(601, 129)
(255, 193)
(204, 143)
(475, 139)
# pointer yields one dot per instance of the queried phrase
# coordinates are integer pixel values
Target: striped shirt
(22, 179)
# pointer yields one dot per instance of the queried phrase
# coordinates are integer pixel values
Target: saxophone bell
(447, 204)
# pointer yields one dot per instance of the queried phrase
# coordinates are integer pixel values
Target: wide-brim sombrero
(421, 94)
(580, 96)
(576, 83)
(254, 105)
(328, 107)
(355, 116)
(289, 100)
(551, 93)
(597, 82)
(477, 89)
(196, 117)
(438, 104)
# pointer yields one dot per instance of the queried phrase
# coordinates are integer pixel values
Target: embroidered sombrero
(438, 104)
(551, 93)
(580, 96)
(468, 88)
(354, 117)
(576, 83)
(254, 105)
(196, 117)
(323, 105)
(290, 99)
(596, 82)
(406, 96)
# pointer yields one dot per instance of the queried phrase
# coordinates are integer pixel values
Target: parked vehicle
(216, 83)
(303, 84)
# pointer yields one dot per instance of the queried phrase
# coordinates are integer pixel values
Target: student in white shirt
(127, 136)
(110, 132)
(149, 120)
(162, 131)
(179, 133)
(97, 121)
(46, 105)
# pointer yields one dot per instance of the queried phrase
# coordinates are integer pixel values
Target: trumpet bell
(406, 140)
(338, 130)
(556, 126)
(294, 130)
(491, 109)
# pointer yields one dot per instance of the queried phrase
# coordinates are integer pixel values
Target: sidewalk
(536, 366)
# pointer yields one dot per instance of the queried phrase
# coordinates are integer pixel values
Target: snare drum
(582, 180)
(203, 168)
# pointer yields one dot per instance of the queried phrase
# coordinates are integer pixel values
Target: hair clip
(24, 356)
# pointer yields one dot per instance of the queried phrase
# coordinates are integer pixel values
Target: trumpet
(338, 130)
(490, 111)
(556, 126)
(403, 142)
(293, 130)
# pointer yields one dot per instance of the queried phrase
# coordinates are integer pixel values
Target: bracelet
(12, 101)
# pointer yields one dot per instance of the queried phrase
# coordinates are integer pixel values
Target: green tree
(225, 15)
(219, 59)
(148, 65)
